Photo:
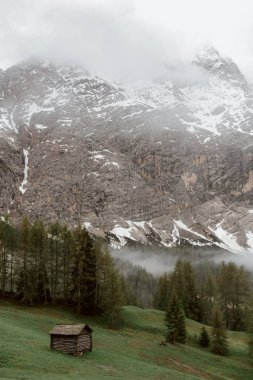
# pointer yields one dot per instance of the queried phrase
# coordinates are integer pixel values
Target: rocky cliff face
(154, 162)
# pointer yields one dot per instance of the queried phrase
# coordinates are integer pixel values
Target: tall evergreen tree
(39, 248)
(175, 322)
(67, 241)
(178, 283)
(163, 293)
(55, 258)
(183, 283)
(84, 272)
(12, 247)
(26, 274)
(26, 286)
(192, 301)
(208, 295)
(232, 297)
(218, 336)
(3, 253)
(110, 286)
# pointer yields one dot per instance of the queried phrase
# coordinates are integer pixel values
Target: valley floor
(131, 353)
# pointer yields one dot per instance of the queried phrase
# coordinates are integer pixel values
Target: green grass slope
(132, 352)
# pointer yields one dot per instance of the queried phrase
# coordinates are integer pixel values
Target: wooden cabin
(72, 339)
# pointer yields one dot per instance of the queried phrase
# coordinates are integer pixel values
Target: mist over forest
(158, 260)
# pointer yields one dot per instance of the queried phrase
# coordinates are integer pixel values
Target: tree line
(56, 264)
(200, 287)
(176, 328)
(218, 295)
(50, 264)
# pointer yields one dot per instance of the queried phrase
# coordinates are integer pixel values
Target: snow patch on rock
(22, 187)
(228, 240)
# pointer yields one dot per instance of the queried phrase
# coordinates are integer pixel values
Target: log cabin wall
(84, 343)
(64, 343)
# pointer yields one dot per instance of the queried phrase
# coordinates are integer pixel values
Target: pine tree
(3, 254)
(55, 253)
(162, 295)
(178, 283)
(208, 295)
(110, 289)
(204, 339)
(26, 286)
(67, 240)
(26, 275)
(218, 336)
(84, 272)
(192, 301)
(183, 283)
(175, 322)
(113, 299)
(39, 248)
(13, 247)
(232, 297)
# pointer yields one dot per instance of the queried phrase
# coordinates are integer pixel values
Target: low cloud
(126, 40)
(103, 37)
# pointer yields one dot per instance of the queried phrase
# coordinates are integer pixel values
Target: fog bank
(158, 260)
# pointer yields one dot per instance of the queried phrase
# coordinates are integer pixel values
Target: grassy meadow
(130, 353)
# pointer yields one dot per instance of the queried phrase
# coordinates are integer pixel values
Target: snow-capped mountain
(159, 161)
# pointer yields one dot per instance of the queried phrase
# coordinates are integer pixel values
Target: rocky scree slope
(154, 162)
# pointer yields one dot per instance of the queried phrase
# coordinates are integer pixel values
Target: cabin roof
(69, 329)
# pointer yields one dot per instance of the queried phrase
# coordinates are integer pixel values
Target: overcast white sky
(125, 39)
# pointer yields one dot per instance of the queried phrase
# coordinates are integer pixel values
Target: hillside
(130, 353)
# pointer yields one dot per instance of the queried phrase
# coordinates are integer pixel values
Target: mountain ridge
(159, 162)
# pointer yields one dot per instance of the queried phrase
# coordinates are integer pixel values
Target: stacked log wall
(64, 343)
(84, 343)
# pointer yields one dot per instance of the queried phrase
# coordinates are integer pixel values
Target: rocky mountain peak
(225, 68)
